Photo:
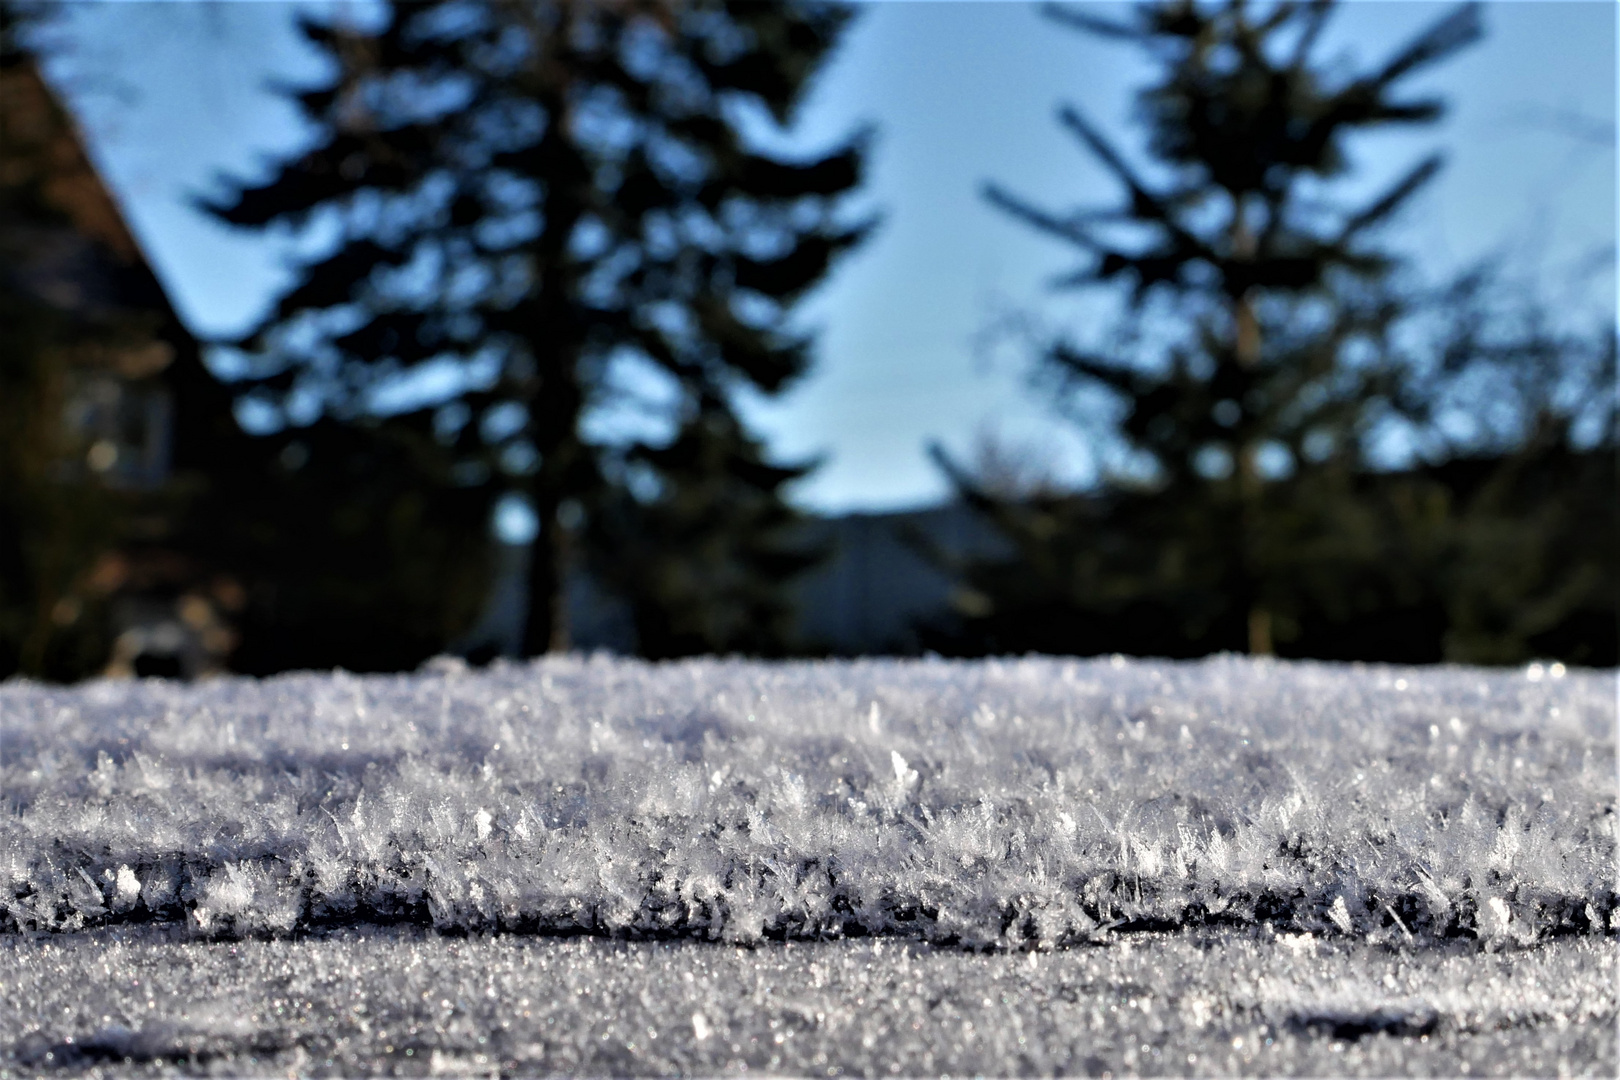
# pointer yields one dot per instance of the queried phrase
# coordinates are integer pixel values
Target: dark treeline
(544, 217)
(1272, 354)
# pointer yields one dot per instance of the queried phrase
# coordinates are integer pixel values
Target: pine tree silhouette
(1281, 302)
(526, 193)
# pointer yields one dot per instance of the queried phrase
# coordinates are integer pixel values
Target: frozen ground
(406, 1001)
(926, 867)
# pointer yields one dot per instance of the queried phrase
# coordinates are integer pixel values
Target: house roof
(66, 242)
(44, 148)
(64, 239)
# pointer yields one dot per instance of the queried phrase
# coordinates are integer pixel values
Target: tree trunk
(1246, 349)
(546, 626)
(555, 340)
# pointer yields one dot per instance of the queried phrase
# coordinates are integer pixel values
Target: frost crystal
(128, 886)
(997, 804)
(1340, 914)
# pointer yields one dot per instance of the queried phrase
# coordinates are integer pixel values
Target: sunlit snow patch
(992, 804)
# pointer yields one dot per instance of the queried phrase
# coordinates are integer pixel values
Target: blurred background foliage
(545, 208)
(1274, 346)
(529, 196)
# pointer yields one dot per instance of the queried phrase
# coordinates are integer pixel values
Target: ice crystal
(401, 1001)
(996, 804)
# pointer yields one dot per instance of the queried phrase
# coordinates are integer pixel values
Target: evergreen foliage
(533, 197)
(352, 543)
(1513, 519)
(1250, 508)
(701, 552)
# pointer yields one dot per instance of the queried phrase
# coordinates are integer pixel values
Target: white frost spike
(128, 885)
(482, 821)
(1501, 914)
(1340, 914)
(700, 1026)
(903, 772)
(874, 718)
(231, 892)
(1437, 898)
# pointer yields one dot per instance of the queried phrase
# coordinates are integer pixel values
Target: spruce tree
(701, 541)
(1278, 304)
(1512, 507)
(528, 192)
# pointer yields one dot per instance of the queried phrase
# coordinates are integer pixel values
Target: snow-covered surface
(989, 804)
(406, 1001)
(1415, 865)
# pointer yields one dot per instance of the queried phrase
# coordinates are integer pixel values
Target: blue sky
(961, 93)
